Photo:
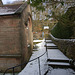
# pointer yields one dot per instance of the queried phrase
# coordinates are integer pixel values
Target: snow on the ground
(56, 54)
(48, 40)
(32, 68)
(59, 71)
(57, 63)
(38, 40)
(51, 44)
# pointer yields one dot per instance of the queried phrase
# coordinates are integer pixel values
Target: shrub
(64, 27)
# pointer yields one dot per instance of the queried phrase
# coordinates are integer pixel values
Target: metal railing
(13, 68)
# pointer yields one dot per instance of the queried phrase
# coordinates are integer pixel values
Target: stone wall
(67, 46)
(26, 34)
(9, 41)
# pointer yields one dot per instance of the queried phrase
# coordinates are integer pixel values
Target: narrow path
(32, 68)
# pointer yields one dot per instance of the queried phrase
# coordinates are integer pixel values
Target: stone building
(15, 35)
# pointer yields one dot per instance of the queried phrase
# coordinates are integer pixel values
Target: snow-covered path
(60, 71)
(32, 68)
(57, 58)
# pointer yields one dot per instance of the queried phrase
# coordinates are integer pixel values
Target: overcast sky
(9, 1)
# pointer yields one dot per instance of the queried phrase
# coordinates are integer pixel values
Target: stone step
(56, 54)
(59, 64)
(49, 42)
(58, 60)
(47, 38)
(52, 47)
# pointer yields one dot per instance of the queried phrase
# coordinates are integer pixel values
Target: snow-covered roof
(8, 9)
(12, 9)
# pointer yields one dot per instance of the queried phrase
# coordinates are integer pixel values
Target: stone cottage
(15, 35)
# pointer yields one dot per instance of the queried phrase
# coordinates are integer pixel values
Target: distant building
(15, 35)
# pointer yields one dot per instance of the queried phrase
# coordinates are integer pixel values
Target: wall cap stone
(57, 39)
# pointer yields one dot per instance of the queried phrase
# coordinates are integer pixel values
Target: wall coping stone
(58, 39)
